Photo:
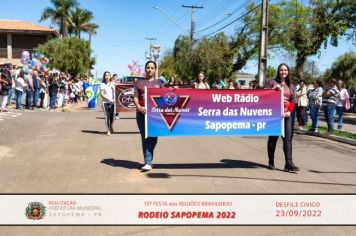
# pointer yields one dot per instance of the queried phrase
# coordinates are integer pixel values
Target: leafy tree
(310, 27)
(211, 55)
(271, 73)
(245, 44)
(166, 66)
(214, 57)
(80, 21)
(344, 68)
(70, 55)
(182, 56)
(60, 14)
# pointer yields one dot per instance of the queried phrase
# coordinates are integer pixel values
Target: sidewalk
(348, 117)
(349, 121)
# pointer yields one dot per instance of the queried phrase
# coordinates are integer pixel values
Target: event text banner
(193, 112)
(177, 209)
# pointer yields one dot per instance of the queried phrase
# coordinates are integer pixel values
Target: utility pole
(151, 39)
(192, 23)
(262, 62)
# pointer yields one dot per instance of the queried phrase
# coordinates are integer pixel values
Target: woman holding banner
(149, 143)
(283, 80)
(107, 92)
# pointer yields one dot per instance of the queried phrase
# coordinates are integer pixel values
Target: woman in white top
(200, 82)
(20, 85)
(107, 92)
(302, 103)
(343, 96)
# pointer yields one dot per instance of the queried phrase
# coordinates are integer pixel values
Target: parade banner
(177, 209)
(193, 112)
(124, 94)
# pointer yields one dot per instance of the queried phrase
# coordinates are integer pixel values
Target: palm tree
(80, 21)
(60, 14)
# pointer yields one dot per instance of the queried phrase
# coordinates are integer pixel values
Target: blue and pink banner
(193, 112)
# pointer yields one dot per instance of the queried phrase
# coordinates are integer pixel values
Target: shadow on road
(102, 132)
(332, 172)
(93, 132)
(225, 163)
(124, 118)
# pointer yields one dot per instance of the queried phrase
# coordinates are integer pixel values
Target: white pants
(60, 100)
(45, 101)
(4, 102)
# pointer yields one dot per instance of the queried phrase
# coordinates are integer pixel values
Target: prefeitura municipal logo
(169, 106)
(35, 211)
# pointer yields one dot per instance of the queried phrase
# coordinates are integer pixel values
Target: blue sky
(125, 25)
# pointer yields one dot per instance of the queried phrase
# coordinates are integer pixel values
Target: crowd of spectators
(33, 90)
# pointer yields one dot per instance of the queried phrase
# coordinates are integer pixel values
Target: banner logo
(35, 211)
(126, 98)
(169, 106)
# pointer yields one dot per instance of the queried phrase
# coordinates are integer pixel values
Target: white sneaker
(146, 167)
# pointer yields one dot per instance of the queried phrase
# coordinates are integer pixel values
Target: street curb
(328, 136)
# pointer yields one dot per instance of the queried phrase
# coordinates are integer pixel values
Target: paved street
(68, 152)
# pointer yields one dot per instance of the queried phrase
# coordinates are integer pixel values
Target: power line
(226, 17)
(245, 14)
(223, 4)
(164, 25)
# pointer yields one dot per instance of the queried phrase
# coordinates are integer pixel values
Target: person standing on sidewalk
(330, 99)
(315, 101)
(107, 92)
(37, 88)
(53, 91)
(283, 81)
(20, 85)
(301, 94)
(149, 143)
(6, 85)
(343, 96)
(29, 89)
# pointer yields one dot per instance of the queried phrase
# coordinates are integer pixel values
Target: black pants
(42, 95)
(287, 143)
(108, 109)
(301, 115)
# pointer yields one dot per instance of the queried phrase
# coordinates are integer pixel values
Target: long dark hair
(287, 80)
(104, 81)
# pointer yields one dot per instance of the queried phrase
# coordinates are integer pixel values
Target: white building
(243, 79)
